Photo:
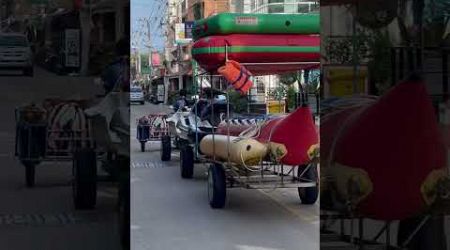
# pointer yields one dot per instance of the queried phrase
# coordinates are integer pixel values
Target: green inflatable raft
(238, 23)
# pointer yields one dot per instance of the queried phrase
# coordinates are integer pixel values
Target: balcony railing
(297, 7)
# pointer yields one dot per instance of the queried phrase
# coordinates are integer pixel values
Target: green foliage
(436, 18)
(238, 101)
(314, 81)
(341, 50)
(281, 92)
(172, 96)
(278, 93)
(373, 47)
(291, 95)
(380, 62)
(288, 78)
(436, 11)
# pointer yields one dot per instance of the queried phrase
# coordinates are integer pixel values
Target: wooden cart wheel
(217, 192)
(29, 173)
(309, 195)
(84, 184)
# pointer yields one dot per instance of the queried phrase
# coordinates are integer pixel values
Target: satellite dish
(375, 14)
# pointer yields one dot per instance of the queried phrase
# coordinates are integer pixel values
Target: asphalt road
(168, 212)
(43, 218)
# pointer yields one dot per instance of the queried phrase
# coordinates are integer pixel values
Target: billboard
(183, 32)
(72, 48)
(145, 64)
(156, 59)
(188, 29)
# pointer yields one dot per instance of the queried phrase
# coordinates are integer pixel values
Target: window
(198, 10)
(183, 7)
(260, 86)
(276, 6)
(13, 41)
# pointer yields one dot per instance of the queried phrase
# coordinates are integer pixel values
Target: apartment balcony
(284, 6)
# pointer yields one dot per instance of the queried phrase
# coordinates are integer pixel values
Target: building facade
(264, 86)
(341, 24)
(178, 57)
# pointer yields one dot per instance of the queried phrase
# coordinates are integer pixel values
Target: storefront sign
(246, 20)
(156, 59)
(145, 64)
(188, 29)
(72, 48)
(180, 33)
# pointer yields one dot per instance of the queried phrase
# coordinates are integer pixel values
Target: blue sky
(146, 9)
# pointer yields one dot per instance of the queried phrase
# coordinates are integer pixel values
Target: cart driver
(116, 74)
(181, 103)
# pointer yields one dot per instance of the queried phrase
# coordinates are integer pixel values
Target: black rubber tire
(430, 236)
(142, 146)
(217, 190)
(124, 209)
(142, 103)
(84, 184)
(176, 142)
(30, 172)
(166, 148)
(28, 72)
(309, 195)
(186, 162)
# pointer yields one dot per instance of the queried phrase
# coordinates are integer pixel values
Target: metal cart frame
(154, 133)
(270, 175)
(32, 146)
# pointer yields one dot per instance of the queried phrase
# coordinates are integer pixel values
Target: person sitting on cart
(116, 75)
(215, 103)
(181, 102)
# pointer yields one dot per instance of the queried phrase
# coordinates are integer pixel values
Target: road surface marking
(7, 135)
(134, 227)
(39, 219)
(298, 213)
(246, 247)
(108, 194)
(149, 164)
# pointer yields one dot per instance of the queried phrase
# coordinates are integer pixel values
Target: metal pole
(445, 74)
(401, 63)
(150, 47)
(355, 56)
(393, 66)
(361, 233)
(388, 235)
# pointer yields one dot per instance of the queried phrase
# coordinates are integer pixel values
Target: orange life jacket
(237, 75)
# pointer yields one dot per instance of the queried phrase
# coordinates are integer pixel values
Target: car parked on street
(16, 53)
(137, 95)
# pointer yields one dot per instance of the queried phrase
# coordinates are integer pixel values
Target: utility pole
(150, 48)
(85, 23)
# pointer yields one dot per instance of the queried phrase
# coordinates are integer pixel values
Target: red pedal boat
(260, 54)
